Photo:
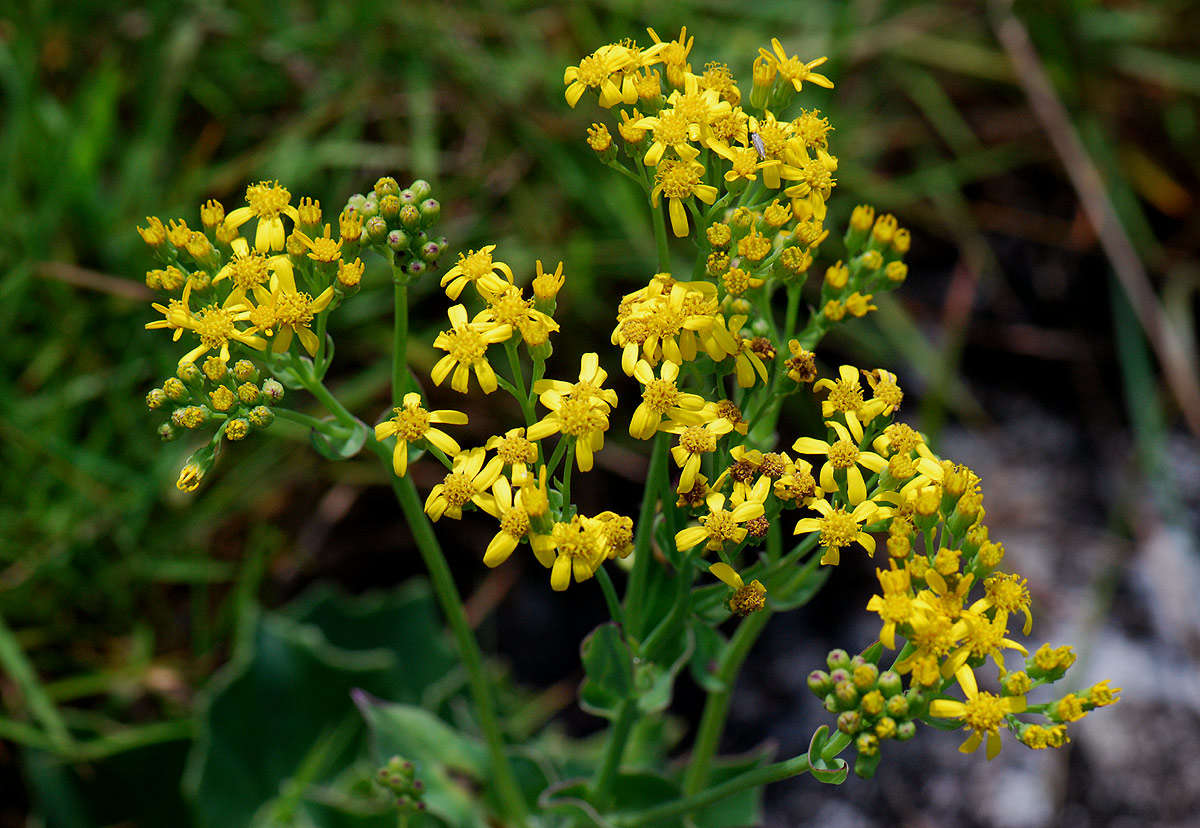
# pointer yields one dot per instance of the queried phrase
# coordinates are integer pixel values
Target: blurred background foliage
(125, 595)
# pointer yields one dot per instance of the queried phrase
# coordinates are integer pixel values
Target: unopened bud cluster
(399, 776)
(871, 706)
(399, 223)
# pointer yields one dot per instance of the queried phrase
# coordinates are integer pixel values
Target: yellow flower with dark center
(466, 345)
(266, 201)
(469, 481)
(747, 598)
(720, 526)
(411, 422)
(840, 528)
(982, 713)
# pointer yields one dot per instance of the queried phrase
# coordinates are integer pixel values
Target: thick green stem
(716, 708)
(614, 749)
(301, 419)
(610, 596)
(468, 647)
(757, 778)
(644, 535)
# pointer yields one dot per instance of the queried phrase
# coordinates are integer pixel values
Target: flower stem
(644, 535)
(399, 339)
(614, 749)
(17, 666)
(757, 778)
(716, 708)
(610, 596)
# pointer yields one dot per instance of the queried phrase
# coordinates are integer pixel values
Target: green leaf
(655, 684)
(710, 646)
(608, 663)
(269, 718)
(831, 773)
(452, 765)
(342, 442)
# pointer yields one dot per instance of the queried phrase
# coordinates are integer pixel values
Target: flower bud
(349, 274)
(838, 659)
(905, 731)
(248, 393)
(260, 416)
(222, 398)
(386, 186)
(167, 432)
(849, 722)
(429, 251)
(272, 391)
(416, 268)
(847, 695)
(890, 683)
(195, 468)
(872, 703)
(175, 390)
(819, 683)
(189, 373)
(156, 398)
(410, 217)
(237, 428)
(897, 707)
(245, 371)
(865, 675)
(377, 229)
(398, 241)
(431, 211)
(389, 207)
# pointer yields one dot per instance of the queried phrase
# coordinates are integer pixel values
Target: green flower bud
(237, 428)
(897, 707)
(421, 188)
(376, 229)
(156, 398)
(819, 683)
(389, 207)
(260, 416)
(167, 432)
(430, 251)
(838, 659)
(245, 371)
(410, 217)
(272, 390)
(890, 683)
(849, 722)
(407, 196)
(431, 210)
(905, 731)
(847, 694)
(865, 676)
(831, 703)
(189, 373)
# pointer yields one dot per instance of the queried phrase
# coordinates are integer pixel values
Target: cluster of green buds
(399, 223)
(871, 706)
(237, 399)
(399, 776)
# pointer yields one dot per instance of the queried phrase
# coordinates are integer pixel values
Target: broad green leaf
(608, 664)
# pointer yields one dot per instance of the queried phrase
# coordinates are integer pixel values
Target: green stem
(399, 339)
(644, 534)
(301, 419)
(757, 778)
(518, 377)
(614, 749)
(13, 659)
(610, 596)
(716, 708)
(468, 647)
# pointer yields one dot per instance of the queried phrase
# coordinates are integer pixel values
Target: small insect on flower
(759, 146)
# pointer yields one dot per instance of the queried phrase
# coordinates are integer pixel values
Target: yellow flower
(411, 423)
(516, 451)
(514, 526)
(468, 482)
(846, 396)
(678, 180)
(724, 339)
(720, 525)
(323, 249)
(747, 598)
(840, 528)
(794, 70)
(215, 325)
(668, 129)
(476, 267)
(287, 309)
(580, 545)
(1006, 593)
(589, 388)
(578, 417)
(674, 55)
(694, 442)
(895, 605)
(661, 397)
(507, 306)
(845, 456)
(265, 201)
(885, 389)
(983, 713)
(596, 72)
(247, 269)
(466, 345)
